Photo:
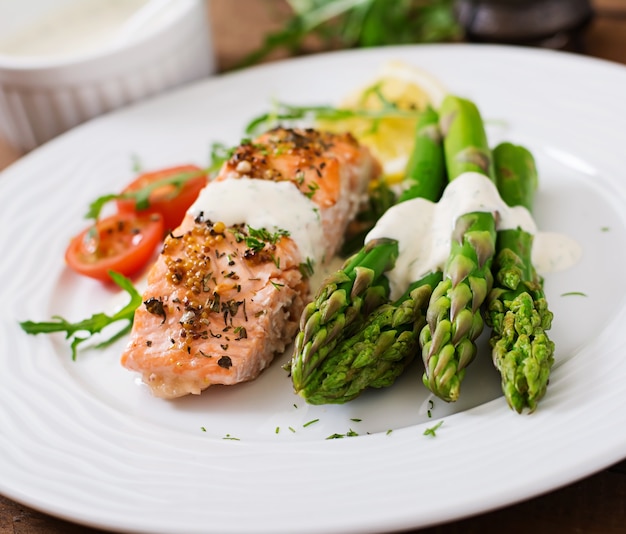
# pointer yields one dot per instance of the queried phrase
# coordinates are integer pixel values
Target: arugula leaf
(219, 154)
(289, 114)
(94, 324)
(142, 196)
(361, 23)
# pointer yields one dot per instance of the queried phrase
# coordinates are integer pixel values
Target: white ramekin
(41, 98)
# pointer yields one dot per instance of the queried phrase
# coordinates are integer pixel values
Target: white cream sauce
(554, 252)
(80, 27)
(423, 230)
(265, 204)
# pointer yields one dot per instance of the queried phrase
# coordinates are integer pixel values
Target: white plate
(82, 440)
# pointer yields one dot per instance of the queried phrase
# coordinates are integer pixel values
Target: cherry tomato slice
(168, 200)
(123, 242)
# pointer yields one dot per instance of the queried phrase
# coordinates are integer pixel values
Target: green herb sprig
(220, 153)
(432, 431)
(142, 196)
(256, 238)
(290, 115)
(360, 23)
(81, 331)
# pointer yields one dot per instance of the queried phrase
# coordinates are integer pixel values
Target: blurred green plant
(361, 23)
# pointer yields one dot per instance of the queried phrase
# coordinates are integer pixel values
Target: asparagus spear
(453, 318)
(425, 170)
(340, 303)
(377, 353)
(517, 309)
(341, 348)
(425, 161)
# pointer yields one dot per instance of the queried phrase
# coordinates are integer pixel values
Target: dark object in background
(548, 23)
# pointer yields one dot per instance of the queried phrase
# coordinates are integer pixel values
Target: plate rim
(611, 453)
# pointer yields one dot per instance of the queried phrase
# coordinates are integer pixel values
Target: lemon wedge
(390, 138)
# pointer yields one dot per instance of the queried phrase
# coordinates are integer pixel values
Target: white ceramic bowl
(44, 93)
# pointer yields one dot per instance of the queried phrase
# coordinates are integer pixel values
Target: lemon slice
(391, 138)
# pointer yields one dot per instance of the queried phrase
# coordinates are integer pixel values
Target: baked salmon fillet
(225, 295)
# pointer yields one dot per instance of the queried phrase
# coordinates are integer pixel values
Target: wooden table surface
(595, 505)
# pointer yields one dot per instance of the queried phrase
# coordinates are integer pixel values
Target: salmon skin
(222, 300)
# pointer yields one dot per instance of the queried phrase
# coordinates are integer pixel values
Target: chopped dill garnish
(349, 434)
(240, 332)
(311, 422)
(228, 436)
(254, 244)
(312, 187)
(432, 431)
(262, 234)
(574, 293)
